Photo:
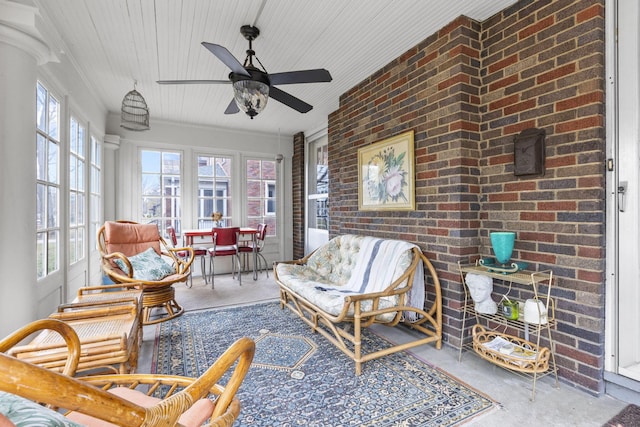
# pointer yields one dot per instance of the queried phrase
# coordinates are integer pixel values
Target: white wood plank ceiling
(114, 42)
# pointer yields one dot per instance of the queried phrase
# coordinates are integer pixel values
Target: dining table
(204, 235)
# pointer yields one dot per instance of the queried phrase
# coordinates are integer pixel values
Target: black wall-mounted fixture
(528, 152)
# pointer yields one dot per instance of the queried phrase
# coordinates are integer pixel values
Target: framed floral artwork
(385, 175)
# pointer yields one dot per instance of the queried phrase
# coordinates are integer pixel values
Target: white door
(623, 284)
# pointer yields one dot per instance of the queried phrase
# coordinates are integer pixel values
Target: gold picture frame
(386, 179)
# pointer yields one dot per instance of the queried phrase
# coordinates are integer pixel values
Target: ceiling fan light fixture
(251, 94)
(134, 112)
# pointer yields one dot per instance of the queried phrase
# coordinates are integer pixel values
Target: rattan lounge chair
(189, 401)
(120, 241)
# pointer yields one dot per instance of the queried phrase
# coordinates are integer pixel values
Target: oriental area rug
(300, 379)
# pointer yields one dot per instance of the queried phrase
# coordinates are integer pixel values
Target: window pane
(73, 173)
(41, 156)
(170, 163)
(53, 118)
(41, 109)
(52, 163)
(80, 175)
(72, 209)
(150, 185)
(53, 246)
(40, 255)
(41, 205)
(73, 246)
(261, 194)
(214, 190)
(52, 207)
(150, 161)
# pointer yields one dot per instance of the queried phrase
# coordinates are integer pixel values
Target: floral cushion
(26, 413)
(147, 265)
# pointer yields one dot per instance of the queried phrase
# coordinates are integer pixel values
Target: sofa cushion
(131, 239)
(147, 265)
(23, 412)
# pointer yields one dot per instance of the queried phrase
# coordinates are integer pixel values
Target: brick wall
(466, 91)
(298, 197)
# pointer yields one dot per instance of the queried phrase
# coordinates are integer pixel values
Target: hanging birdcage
(135, 113)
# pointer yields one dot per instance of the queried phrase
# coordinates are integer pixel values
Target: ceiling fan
(253, 86)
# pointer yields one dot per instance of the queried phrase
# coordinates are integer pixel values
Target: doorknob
(622, 189)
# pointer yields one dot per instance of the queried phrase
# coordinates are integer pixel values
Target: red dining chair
(198, 252)
(225, 243)
(257, 244)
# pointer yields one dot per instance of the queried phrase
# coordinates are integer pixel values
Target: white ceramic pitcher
(535, 312)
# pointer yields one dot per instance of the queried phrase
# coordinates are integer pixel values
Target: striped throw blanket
(375, 269)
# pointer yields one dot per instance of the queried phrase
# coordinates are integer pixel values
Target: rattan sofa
(352, 282)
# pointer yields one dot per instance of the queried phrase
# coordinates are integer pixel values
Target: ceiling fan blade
(305, 76)
(192, 82)
(232, 108)
(289, 100)
(226, 57)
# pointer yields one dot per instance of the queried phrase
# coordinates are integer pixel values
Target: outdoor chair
(200, 252)
(136, 253)
(225, 243)
(120, 399)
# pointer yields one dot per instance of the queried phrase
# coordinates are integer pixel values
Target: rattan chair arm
(58, 390)
(108, 258)
(67, 332)
(241, 351)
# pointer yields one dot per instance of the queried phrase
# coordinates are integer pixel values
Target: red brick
(590, 276)
(459, 78)
(522, 106)
(537, 27)
(503, 197)
(566, 206)
(573, 103)
(507, 81)
(519, 127)
(556, 73)
(507, 100)
(503, 63)
(555, 162)
(591, 12)
(537, 216)
(474, 127)
(578, 124)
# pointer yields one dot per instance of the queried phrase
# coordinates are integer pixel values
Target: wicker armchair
(119, 241)
(133, 399)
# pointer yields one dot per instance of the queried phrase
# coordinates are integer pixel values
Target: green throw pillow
(147, 265)
(26, 413)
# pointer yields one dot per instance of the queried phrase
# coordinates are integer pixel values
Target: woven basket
(538, 364)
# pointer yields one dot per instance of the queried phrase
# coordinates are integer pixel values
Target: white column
(111, 146)
(21, 50)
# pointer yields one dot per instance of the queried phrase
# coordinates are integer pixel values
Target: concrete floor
(562, 406)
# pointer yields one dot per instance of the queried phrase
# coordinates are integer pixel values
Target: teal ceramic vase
(502, 243)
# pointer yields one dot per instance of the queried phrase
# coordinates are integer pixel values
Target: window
(95, 197)
(261, 194)
(214, 190)
(48, 182)
(160, 188)
(318, 215)
(77, 192)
